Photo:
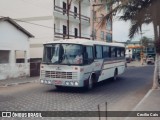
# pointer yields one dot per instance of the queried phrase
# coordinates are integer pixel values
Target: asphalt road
(121, 95)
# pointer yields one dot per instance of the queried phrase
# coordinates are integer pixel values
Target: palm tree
(139, 12)
(144, 41)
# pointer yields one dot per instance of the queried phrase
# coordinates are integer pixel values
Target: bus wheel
(89, 86)
(58, 87)
(115, 75)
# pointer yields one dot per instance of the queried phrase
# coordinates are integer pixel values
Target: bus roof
(85, 42)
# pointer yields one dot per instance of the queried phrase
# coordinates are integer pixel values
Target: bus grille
(63, 75)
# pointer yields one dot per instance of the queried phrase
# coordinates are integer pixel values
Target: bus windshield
(63, 54)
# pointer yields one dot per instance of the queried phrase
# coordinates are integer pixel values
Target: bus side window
(109, 52)
(88, 54)
(113, 52)
(122, 52)
(106, 52)
(118, 52)
(98, 51)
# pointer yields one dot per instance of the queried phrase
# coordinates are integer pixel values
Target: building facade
(71, 19)
(102, 33)
(50, 20)
(36, 17)
(14, 50)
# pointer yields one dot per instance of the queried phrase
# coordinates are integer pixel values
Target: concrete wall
(13, 40)
(8, 71)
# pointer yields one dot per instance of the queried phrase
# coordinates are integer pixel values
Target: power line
(31, 23)
(34, 24)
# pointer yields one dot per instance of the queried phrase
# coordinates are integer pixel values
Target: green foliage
(145, 41)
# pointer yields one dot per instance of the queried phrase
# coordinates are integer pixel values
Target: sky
(121, 31)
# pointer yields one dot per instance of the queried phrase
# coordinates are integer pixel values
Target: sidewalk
(17, 81)
(151, 102)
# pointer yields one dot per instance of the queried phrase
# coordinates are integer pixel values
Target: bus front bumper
(65, 83)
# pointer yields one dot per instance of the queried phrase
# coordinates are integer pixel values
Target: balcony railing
(71, 13)
(58, 33)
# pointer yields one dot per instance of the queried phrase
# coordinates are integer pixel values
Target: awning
(135, 46)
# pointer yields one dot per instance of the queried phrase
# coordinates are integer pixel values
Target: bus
(81, 62)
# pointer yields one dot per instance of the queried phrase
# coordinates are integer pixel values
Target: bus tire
(115, 74)
(90, 84)
(58, 87)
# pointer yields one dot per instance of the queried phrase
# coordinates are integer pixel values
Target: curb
(143, 99)
(148, 93)
(18, 83)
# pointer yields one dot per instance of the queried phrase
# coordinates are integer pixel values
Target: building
(135, 50)
(71, 19)
(103, 33)
(14, 49)
(52, 20)
(36, 17)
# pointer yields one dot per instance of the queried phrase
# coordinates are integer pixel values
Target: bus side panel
(109, 69)
(94, 68)
(121, 69)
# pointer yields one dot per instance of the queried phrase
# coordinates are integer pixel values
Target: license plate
(57, 82)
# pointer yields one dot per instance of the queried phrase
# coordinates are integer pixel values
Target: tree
(139, 12)
(144, 41)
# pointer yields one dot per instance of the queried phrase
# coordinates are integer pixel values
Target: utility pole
(80, 19)
(93, 16)
(93, 23)
(68, 9)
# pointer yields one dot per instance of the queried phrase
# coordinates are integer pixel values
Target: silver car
(150, 60)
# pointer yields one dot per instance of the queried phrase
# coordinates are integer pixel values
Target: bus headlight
(76, 83)
(67, 83)
(46, 82)
(72, 83)
(42, 81)
(49, 81)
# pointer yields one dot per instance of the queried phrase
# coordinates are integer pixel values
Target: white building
(14, 50)
(72, 20)
(35, 16)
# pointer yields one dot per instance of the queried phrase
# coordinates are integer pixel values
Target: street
(121, 95)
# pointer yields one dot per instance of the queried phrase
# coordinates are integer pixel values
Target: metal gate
(34, 69)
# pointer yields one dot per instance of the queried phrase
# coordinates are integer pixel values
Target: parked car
(150, 60)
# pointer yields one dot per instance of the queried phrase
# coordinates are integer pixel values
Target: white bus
(81, 62)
